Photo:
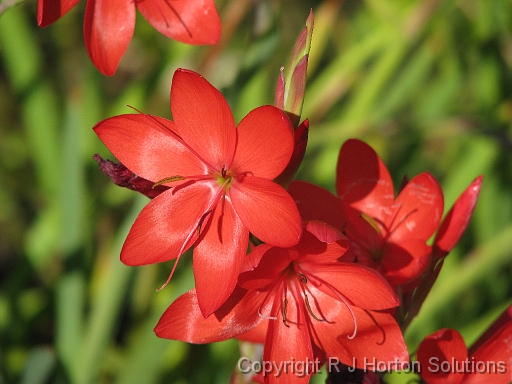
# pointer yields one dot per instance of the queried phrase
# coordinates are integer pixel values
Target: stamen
(168, 180)
(223, 172)
(371, 221)
(309, 308)
(285, 304)
(339, 295)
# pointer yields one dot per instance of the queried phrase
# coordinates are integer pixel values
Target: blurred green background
(428, 83)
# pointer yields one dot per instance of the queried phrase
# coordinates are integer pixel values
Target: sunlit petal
(145, 145)
(184, 321)
(108, 29)
(218, 257)
(267, 210)
(189, 21)
(265, 143)
(167, 225)
(203, 118)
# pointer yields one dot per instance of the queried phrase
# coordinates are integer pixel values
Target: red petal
(273, 263)
(146, 146)
(203, 119)
(496, 355)
(325, 233)
(442, 349)
(218, 257)
(367, 243)
(162, 228)
(405, 261)
(49, 11)
(457, 220)
(359, 285)
(183, 320)
(265, 143)
(252, 260)
(256, 335)
(189, 21)
(420, 207)
(377, 338)
(316, 203)
(503, 319)
(267, 210)
(108, 29)
(285, 344)
(321, 244)
(363, 180)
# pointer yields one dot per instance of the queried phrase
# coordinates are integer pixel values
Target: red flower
(443, 358)
(385, 233)
(220, 176)
(311, 302)
(109, 24)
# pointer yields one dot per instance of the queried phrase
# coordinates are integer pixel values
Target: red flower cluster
(310, 275)
(329, 271)
(109, 24)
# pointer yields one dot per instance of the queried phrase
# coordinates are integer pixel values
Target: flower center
(301, 281)
(225, 177)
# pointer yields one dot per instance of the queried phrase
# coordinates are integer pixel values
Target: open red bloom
(444, 359)
(109, 24)
(385, 233)
(221, 183)
(311, 302)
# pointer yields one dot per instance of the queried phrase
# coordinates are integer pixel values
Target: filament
(344, 301)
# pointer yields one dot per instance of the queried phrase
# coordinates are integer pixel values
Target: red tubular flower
(443, 358)
(386, 233)
(311, 302)
(109, 24)
(220, 178)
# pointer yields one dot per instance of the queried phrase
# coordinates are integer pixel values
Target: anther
(303, 278)
(167, 180)
(372, 222)
(309, 308)
(223, 172)
(285, 304)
